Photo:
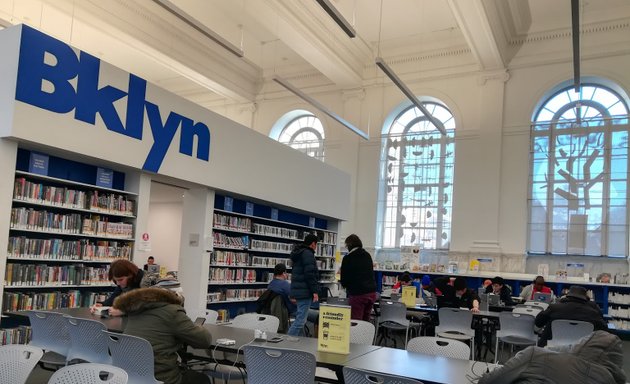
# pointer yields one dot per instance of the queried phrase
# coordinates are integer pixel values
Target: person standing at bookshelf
(127, 276)
(357, 277)
(304, 285)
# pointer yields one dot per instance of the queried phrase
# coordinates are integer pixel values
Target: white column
(140, 183)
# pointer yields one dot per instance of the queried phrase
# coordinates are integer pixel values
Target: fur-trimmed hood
(140, 299)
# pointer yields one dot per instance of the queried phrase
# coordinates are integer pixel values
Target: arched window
(579, 174)
(303, 131)
(417, 180)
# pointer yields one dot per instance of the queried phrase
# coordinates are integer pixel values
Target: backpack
(263, 303)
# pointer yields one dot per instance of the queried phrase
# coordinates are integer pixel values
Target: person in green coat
(157, 315)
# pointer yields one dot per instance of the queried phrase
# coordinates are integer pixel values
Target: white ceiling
(294, 38)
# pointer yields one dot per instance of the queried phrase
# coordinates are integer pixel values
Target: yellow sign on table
(409, 296)
(334, 329)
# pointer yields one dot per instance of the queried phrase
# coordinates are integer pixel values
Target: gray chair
(89, 373)
(438, 346)
(134, 355)
(456, 324)
(50, 333)
(267, 323)
(527, 310)
(516, 329)
(567, 332)
(538, 304)
(279, 366)
(362, 332)
(88, 341)
(393, 317)
(17, 361)
(359, 376)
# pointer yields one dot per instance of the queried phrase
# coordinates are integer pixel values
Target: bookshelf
(249, 239)
(64, 231)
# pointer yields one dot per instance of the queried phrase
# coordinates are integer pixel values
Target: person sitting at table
(537, 286)
(595, 359)
(404, 280)
(460, 296)
(499, 287)
(157, 315)
(127, 276)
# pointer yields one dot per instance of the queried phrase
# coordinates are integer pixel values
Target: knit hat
(426, 280)
(578, 292)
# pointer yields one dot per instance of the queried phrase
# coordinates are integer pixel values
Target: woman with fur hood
(157, 315)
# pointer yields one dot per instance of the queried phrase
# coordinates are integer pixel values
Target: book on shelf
(19, 275)
(18, 335)
(26, 301)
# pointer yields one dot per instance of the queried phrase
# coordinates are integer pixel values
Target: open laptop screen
(542, 297)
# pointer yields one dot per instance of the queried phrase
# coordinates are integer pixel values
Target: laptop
(153, 268)
(494, 300)
(542, 297)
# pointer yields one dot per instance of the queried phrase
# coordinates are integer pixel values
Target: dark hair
(122, 268)
(539, 277)
(151, 258)
(498, 280)
(353, 242)
(459, 283)
(310, 239)
(279, 269)
(405, 277)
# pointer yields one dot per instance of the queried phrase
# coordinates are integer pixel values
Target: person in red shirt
(537, 286)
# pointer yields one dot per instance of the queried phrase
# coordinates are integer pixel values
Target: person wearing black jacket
(357, 277)
(576, 305)
(304, 285)
(498, 287)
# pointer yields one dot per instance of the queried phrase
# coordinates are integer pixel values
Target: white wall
(165, 226)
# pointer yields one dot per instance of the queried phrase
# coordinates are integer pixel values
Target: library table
(112, 324)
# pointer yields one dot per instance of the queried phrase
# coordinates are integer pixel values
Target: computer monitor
(542, 297)
(153, 268)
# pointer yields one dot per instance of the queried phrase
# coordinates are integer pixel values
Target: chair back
(17, 361)
(566, 332)
(527, 310)
(89, 373)
(393, 311)
(267, 323)
(279, 366)
(362, 332)
(538, 304)
(50, 331)
(134, 355)
(517, 325)
(88, 342)
(360, 376)
(453, 319)
(438, 346)
(337, 301)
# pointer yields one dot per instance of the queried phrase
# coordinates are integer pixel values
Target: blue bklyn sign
(87, 99)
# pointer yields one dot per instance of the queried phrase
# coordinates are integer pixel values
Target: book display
(64, 232)
(250, 239)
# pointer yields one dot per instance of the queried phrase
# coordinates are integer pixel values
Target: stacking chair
(89, 373)
(279, 366)
(265, 323)
(456, 324)
(17, 361)
(539, 304)
(50, 333)
(566, 332)
(527, 310)
(211, 316)
(393, 317)
(438, 346)
(360, 376)
(134, 355)
(516, 329)
(362, 332)
(88, 341)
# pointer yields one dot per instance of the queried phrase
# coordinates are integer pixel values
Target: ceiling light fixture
(575, 31)
(191, 21)
(403, 88)
(319, 106)
(337, 17)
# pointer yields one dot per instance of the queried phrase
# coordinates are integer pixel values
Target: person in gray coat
(595, 359)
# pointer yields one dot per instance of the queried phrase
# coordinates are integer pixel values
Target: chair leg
(472, 350)
(496, 351)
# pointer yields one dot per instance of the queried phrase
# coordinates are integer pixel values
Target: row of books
(329, 238)
(269, 230)
(260, 261)
(220, 257)
(45, 301)
(235, 295)
(18, 335)
(271, 246)
(59, 249)
(618, 311)
(222, 240)
(45, 275)
(224, 316)
(65, 197)
(232, 222)
(619, 298)
(74, 223)
(229, 275)
(325, 264)
(325, 250)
